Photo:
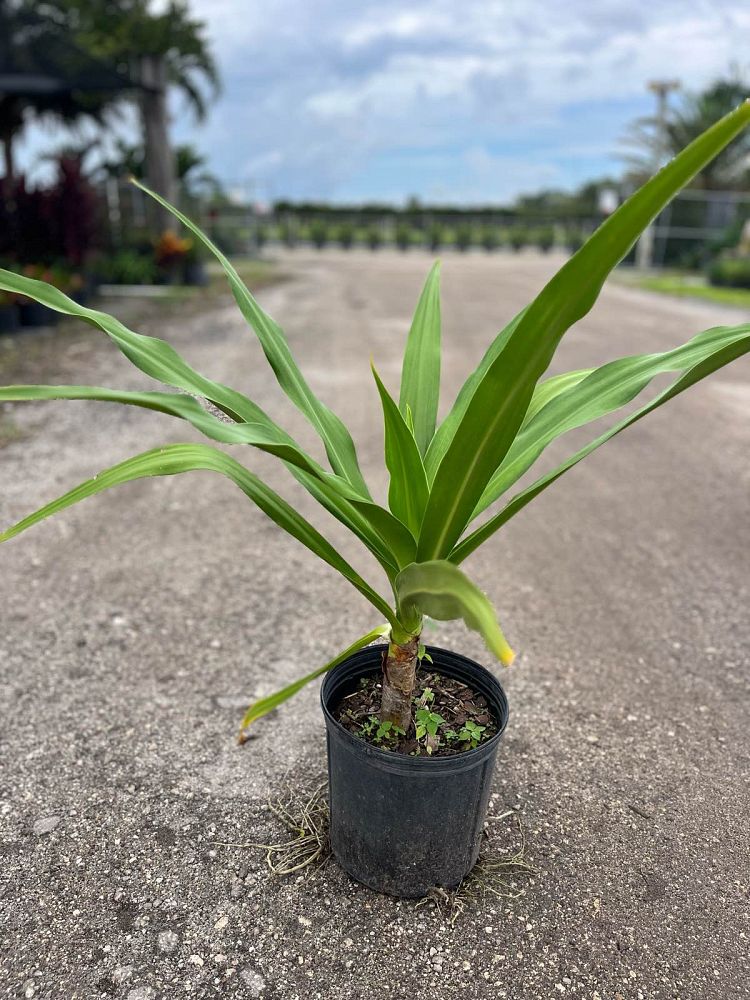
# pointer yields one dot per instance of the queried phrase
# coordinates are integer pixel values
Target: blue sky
(467, 101)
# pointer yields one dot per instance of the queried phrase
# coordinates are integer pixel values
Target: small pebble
(45, 825)
(167, 941)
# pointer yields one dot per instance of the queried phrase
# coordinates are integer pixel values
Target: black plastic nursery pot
(9, 319)
(34, 314)
(399, 824)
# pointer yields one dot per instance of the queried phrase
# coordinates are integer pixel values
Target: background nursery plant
(444, 477)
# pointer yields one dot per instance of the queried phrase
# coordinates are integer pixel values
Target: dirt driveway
(136, 627)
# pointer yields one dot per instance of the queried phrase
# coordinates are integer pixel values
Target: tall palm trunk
(399, 679)
(159, 156)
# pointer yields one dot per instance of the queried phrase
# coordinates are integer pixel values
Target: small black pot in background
(194, 273)
(36, 314)
(400, 824)
(9, 319)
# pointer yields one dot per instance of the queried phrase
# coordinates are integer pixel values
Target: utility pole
(644, 252)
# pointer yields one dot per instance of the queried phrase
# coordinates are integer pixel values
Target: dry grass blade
(305, 815)
(495, 874)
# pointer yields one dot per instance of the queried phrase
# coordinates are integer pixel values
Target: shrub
(374, 237)
(435, 236)
(464, 236)
(128, 267)
(403, 235)
(318, 233)
(490, 238)
(518, 238)
(345, 235)
(730, 272)
(544, 238)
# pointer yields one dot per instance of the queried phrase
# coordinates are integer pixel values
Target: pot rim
(389, 759)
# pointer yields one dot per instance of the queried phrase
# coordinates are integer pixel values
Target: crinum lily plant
(443, 478)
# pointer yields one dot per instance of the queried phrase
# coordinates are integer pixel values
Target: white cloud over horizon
(470, 102)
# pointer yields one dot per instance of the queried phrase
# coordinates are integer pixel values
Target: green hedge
(730, 272)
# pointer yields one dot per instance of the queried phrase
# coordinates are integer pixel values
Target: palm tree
(158, 50)
(654, 139)
(45, 74)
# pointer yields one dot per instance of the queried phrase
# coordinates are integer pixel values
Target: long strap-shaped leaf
(502, 396)
(262, 436)
(154, 357)
(439, 589)
(447, 429)
(604, 390)
(334, 435)
(408, 490)
(176, 458)
(723, 356)
(386, 537)
(265, 705)
(420, 374)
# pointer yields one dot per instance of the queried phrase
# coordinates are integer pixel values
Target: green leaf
(447, 429)
(502, 396)
(439, 589)
(177, 458)
(267, 704)
(420, 375)
(389, 540)
(265, 437)
(723, 356)
(408, 490)
(547, 390)
(152, 356)
(334, 435)
(603, 390)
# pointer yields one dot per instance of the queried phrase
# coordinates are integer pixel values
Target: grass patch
(694, 287)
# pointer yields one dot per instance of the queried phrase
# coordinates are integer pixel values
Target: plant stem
(399, 679)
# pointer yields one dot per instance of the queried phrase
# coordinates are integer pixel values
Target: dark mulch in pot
(453, 700)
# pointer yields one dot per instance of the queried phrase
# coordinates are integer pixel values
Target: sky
(467, 101)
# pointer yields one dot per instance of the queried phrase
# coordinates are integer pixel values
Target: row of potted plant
(436, 236)
(18, 310)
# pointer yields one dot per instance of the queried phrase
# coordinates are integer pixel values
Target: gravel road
(137, 626)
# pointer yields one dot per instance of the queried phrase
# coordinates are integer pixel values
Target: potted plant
(544, 237)
(518, 238)
(30, 312)
(374, 236)
(435, 235)
(194, 265)
(490, 239)
(169, 253)
(403, 236)
(318, 233)
(411, 747)
(345, 235)
(464, 236)
(9, 320)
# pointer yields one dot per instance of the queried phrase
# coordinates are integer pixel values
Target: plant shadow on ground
(301, 811)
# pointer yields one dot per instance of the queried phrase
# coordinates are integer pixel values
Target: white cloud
(323, 97)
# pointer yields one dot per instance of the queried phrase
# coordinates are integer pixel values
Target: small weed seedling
(426, 726)
(471, 733)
